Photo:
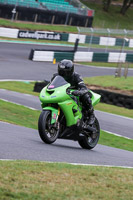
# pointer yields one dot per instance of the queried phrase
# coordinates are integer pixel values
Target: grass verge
(27, 87)
(20, 115)
(37, 26)
(40, 42)
(104, 81)
(108, 19)
(115, 141)
(104, 64)
(18, 86)
(37, 180)
(114, 110)
(110, 81)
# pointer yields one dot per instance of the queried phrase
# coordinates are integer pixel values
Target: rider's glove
(76, 93)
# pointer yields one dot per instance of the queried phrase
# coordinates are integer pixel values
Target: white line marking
(96, 110)
(115, 115)
(99, 67)
(102, 130)
(36, 43)
(82, 164)
(5, 122)
(7, 160)
(29, 95)
(4, 80)
(118, 135)
(96, 165)
(18, 104)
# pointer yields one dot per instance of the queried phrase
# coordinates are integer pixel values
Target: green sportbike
(64, 117)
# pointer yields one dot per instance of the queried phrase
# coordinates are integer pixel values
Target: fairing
(55, 93)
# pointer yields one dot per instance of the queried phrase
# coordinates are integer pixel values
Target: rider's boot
(91, 116)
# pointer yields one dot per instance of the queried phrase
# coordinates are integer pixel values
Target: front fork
(54, 123)
(57, 124)
(58, 114)
(54, 113)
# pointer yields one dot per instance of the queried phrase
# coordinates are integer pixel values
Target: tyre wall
(116, 99)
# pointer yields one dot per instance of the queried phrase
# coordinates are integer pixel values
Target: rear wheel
(91, 139)
(47, 131)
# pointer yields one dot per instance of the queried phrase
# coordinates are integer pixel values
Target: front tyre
(91, 139)
(47, 131)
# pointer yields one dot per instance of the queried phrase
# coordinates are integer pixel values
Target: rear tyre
(91, 139)
(48, 132)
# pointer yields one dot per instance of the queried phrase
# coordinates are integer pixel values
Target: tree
(106, 5)
(125, 6)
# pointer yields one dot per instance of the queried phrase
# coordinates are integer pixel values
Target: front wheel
(91, 139)
(47, 131)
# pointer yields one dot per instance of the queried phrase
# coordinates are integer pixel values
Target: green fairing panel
(58, 95)
(65, 102)
(66, 107)
(54, 113)
(95, 98)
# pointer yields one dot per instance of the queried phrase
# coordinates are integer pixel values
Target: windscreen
(57, 82)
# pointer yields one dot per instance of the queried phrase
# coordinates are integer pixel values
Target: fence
(107, 37)
(105, 32)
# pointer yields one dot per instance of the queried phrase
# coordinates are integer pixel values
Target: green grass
(112, 19)
(37, 26)
(114, 110)
(17, 86)
(104, 81)
(23, 116)
(114, 141)
(24, 40)
(105, 64)
(27, 87)
(20, 115)
(110, 81)
(53, 181)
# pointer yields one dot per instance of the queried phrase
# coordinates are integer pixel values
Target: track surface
(22, 143)
(14, 64)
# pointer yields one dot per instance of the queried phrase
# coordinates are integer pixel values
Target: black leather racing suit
(77, 83)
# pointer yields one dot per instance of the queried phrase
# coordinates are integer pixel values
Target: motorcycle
(64, 117)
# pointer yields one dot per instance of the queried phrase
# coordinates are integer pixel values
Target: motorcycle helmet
(66, 68)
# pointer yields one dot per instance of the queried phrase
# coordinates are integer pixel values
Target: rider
(66, 70)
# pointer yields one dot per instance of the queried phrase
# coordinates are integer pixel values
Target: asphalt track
(14, 64)
(22, 143)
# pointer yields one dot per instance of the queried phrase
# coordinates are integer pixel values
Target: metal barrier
(105, 32)
(107, 37)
